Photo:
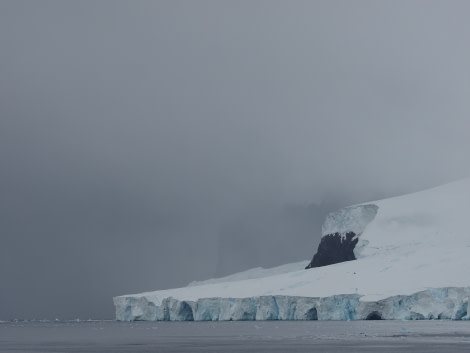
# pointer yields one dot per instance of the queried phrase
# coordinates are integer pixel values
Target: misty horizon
(145, 145)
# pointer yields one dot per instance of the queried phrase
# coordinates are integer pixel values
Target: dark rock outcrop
(334, 248)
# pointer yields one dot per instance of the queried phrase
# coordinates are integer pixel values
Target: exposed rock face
(334, 248)
(341, 231)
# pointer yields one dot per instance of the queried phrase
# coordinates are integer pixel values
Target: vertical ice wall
(450, 303)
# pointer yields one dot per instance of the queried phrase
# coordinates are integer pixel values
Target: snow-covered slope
(253, 273)
(413, 257)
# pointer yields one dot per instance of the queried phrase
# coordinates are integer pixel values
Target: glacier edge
(448, 303)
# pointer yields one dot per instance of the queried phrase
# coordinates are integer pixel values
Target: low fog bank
(271, 236)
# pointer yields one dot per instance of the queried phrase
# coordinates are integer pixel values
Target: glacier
(437, 303)
(412, 257)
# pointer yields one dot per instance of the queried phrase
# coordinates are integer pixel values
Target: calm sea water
(247, 336)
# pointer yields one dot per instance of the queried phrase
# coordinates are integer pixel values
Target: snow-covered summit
(413, 253)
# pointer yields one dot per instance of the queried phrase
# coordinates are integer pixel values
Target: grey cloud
(147, 144)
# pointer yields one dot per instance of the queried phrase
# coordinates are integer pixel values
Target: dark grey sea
(246, 336)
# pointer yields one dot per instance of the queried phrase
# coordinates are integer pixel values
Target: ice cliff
(411, 255)
(439, 303)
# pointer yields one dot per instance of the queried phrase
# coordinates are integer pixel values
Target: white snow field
(413, 261)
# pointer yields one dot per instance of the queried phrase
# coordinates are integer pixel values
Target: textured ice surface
(438, 303)
(412, 263)
(349, 219)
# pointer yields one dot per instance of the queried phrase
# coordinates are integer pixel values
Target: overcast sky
(145, 144)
